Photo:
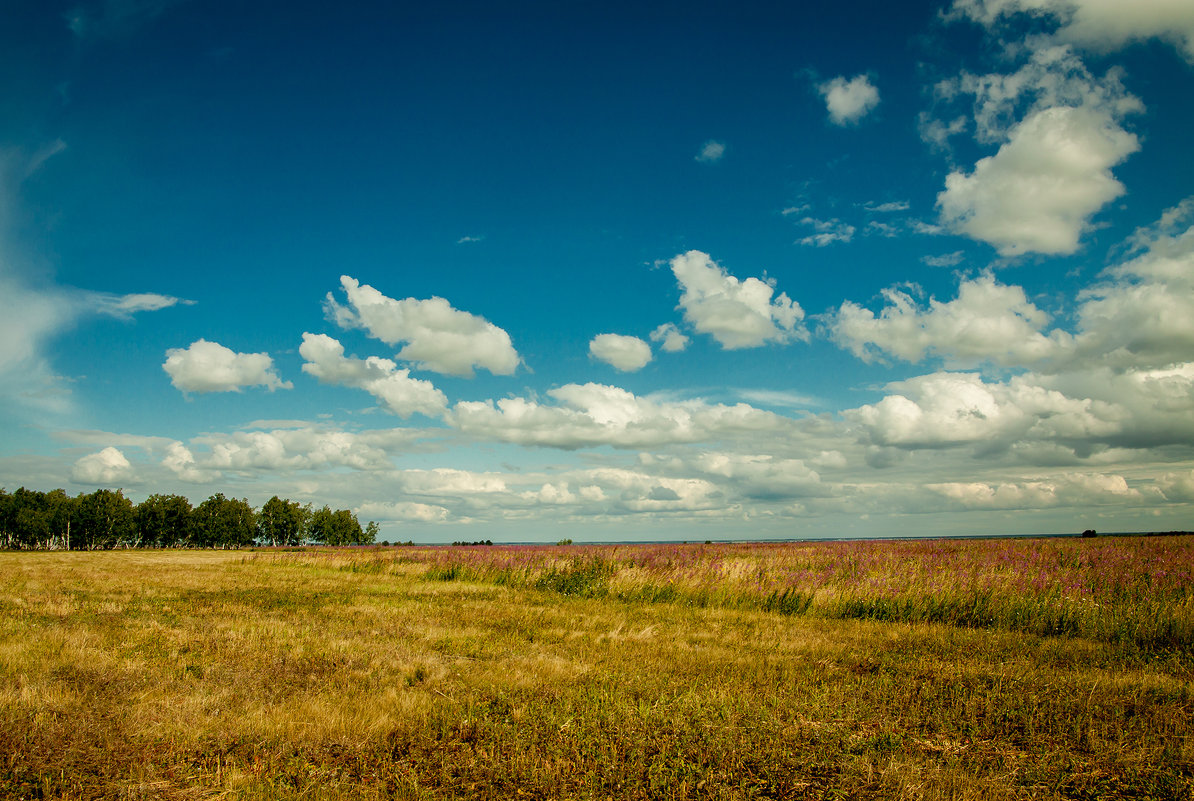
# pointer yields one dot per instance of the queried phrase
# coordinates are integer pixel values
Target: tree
(224, 523)
(282, 522)
(164, 521)
(336, 528)
(7, 518)
(105, 520)
(63, 511)
(29, 519)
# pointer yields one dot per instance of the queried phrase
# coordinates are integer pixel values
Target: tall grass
(591, 674)
(1136, 591)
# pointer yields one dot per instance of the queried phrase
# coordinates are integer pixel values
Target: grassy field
(978, 669)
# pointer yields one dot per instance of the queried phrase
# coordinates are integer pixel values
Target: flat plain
(1033, 668)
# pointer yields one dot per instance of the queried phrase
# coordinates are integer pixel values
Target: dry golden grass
(191, 675)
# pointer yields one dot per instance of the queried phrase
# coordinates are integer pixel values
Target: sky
(602, 270)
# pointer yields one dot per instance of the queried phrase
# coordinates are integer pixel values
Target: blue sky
(695, 271)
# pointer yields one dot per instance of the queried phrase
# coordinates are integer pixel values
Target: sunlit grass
(584, 673)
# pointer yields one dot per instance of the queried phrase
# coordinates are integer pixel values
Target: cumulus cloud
(624, 353)
(180, 461)
(438, 337)
(587, 415)
(404, 512)
(206, 366)
(1099, 24)
(1060, 133)
(711, 152)
(1038, 192)
(381, 378)
(107, 468)
(669, 337)
(1083, 412)
(849, 101)
(1142, 315)
(738, 314)
(1177, 486)
(289, 449)
(948, 409)
(762, 476)
(987, 322)
(1069, 489)
(1139, 316)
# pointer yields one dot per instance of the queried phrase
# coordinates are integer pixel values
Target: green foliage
(224, 523)
(582, 577)
(164, 521)
(106, 520)
(340, 527)
(282, 522)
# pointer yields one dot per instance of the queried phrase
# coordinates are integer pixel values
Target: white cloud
(1060, 133)
(181, 462)
(1178, 487)
(895, 205)
(947, 409)
(1069, 490)
(624, 353)
(937, 132)
(1082, 412)
(381, 378)
(124, 306)
(1038, 192)
(670, 338)
(1139, 317)
(1053, 76)
(1143, 315)
(987, 322)
(449, 482)
(438, 337)
(1099, 24)
(291, 449)
(403, 511)
(107, 468)
(210, 367)
(827, 232)
(762, 476)
(29, 319)
(711, 152)
(595, 414)
(32, 316)
(738, 314)
(637, 491)
(771, 397)
(849, 101)
(944, 260)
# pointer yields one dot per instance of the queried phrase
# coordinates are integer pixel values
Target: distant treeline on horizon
(105, 519)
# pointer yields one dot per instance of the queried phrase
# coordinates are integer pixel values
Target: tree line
(31, 519)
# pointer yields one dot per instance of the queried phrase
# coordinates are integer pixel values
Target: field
(947, 669)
